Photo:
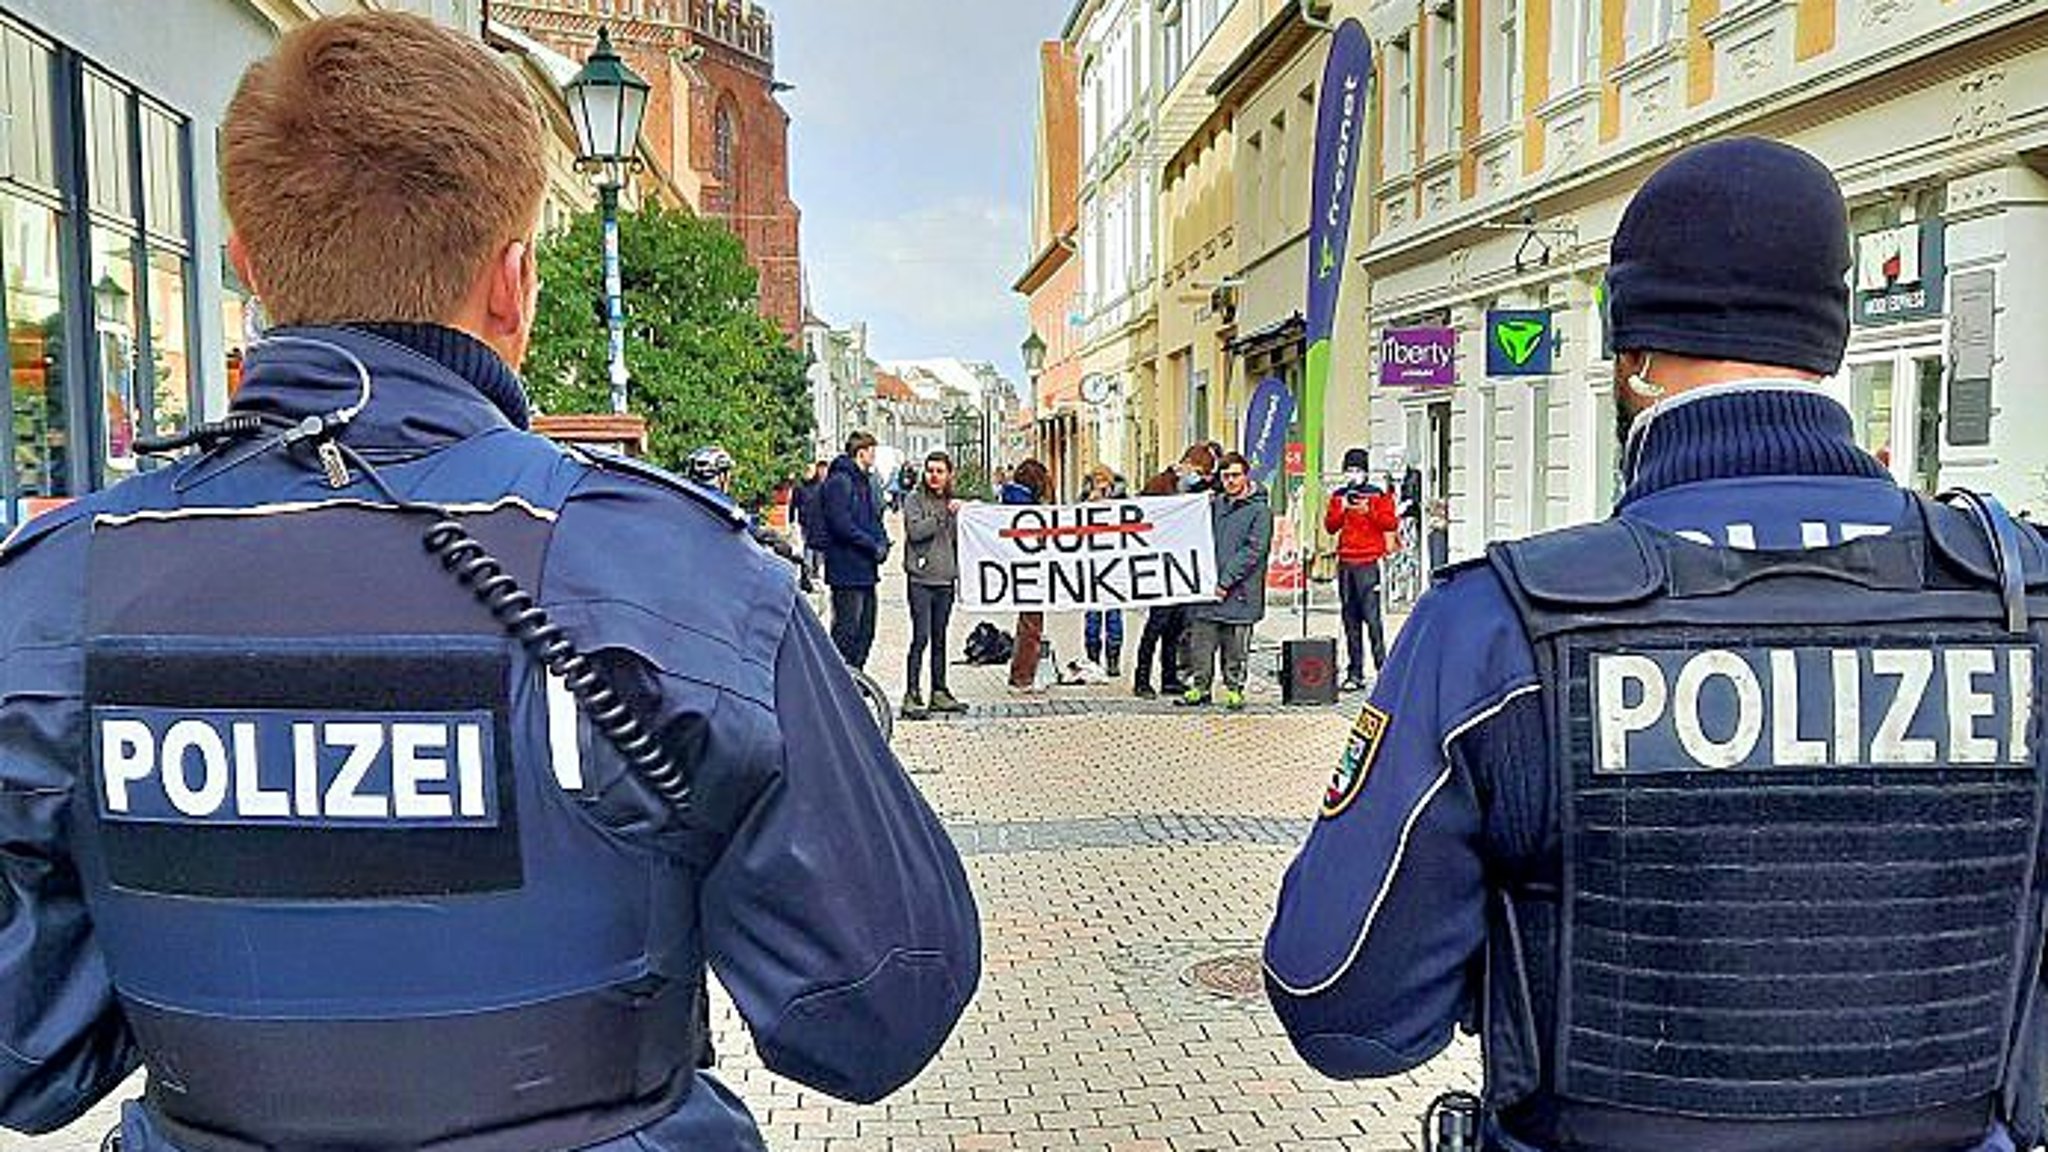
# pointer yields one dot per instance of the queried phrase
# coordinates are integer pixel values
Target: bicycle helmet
(710, 466)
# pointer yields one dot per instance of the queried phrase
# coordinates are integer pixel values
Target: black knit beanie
(1356, 458)
(1735, 250)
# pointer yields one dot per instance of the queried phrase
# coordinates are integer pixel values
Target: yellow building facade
(1510, 135)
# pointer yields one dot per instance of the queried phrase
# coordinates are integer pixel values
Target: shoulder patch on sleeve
(1359, 754)
(712, 501)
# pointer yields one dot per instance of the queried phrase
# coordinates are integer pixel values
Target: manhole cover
(1239, 976)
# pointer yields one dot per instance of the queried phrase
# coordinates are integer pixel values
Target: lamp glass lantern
(1034, 355)
(607, 100)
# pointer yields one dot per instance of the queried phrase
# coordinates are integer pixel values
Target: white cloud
(938, 274)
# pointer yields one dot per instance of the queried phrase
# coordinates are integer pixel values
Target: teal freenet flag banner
(1340, 137)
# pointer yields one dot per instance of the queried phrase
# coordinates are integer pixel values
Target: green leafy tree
(707, 367)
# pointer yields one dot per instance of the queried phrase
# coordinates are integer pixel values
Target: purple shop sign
(1419, 357)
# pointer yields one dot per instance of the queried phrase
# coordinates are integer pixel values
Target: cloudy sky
(910, 155)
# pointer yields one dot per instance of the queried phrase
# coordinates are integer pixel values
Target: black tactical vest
(344, 896)
(1798, 799)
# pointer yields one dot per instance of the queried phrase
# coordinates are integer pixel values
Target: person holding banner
(1166, 625)
(1361, 516)
(1028, 485)
(931, 560)
(1243, 524)
(1106, 625)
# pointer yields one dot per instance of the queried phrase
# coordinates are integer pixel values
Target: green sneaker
(913, 707)
(1193, 698)
(1233, 700)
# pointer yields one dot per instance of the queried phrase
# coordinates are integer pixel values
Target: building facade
(842, 381)
(1511, 135)
(1200, 290)
(1114, 42)
(714, 126)
(1051, 283)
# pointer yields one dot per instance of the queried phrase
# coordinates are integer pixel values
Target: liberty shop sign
(1419, 357)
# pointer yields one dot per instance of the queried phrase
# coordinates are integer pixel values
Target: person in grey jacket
(1243, 523)
(932, 562)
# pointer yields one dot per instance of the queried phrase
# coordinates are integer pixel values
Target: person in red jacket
(1361, 516)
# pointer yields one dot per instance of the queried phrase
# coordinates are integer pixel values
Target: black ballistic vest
(345, 899)
(1798, 799)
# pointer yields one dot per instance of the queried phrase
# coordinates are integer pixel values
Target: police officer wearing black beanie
(1721, 818)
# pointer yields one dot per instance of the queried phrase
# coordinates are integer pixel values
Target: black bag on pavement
(988, 644)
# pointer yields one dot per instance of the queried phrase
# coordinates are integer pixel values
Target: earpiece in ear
(1640, 384)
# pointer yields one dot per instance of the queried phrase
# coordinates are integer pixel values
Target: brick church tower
(713, 123)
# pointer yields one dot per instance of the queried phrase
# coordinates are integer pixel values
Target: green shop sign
(1519, 342)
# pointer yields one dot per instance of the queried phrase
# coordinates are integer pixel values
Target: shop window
(170, 343)
(1870, 400)
(163, 174)
(38, 399)
(109, 148)
(117, 349)
(29, 156)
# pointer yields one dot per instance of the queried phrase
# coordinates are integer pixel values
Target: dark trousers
(931, 609)
(1358, 586)
(853, 624)
(1163, 628)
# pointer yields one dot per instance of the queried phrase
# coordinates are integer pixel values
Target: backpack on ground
(988, 644)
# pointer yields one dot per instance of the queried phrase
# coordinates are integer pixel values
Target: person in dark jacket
(1029, 483)
(855, 546)
(804, 513)
(1360, 516)
(451, 898)
(1166, 627)
(1243, 523)
(931, 565)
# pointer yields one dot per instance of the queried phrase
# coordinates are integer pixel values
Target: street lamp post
(607, 100)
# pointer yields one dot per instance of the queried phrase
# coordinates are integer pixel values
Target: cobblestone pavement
(1114, 846)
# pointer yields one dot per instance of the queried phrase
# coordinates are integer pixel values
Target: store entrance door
(1895, 398)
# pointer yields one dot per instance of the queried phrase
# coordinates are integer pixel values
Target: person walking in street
(1360, 516)
(1166, 626)
(358, 844)
(1243, 526)
(1103, 631)
(1029, 483)
(931, 561)
(805, 514)
(856, 544)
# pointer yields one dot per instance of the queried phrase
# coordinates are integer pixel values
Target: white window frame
(1650, 24)
(1447, 39)
(1400, 109)
(1506, 105)
(1575, 51)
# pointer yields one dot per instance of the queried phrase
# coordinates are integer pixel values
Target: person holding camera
(1360, 516)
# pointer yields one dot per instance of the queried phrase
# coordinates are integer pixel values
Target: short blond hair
(374, 164)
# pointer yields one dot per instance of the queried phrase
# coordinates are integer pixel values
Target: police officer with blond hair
(382, 776)
(1720, 819)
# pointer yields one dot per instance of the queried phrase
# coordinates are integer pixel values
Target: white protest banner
(1072, 557)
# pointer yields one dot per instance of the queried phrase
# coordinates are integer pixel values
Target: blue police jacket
(1447, 796)
(286, 816)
